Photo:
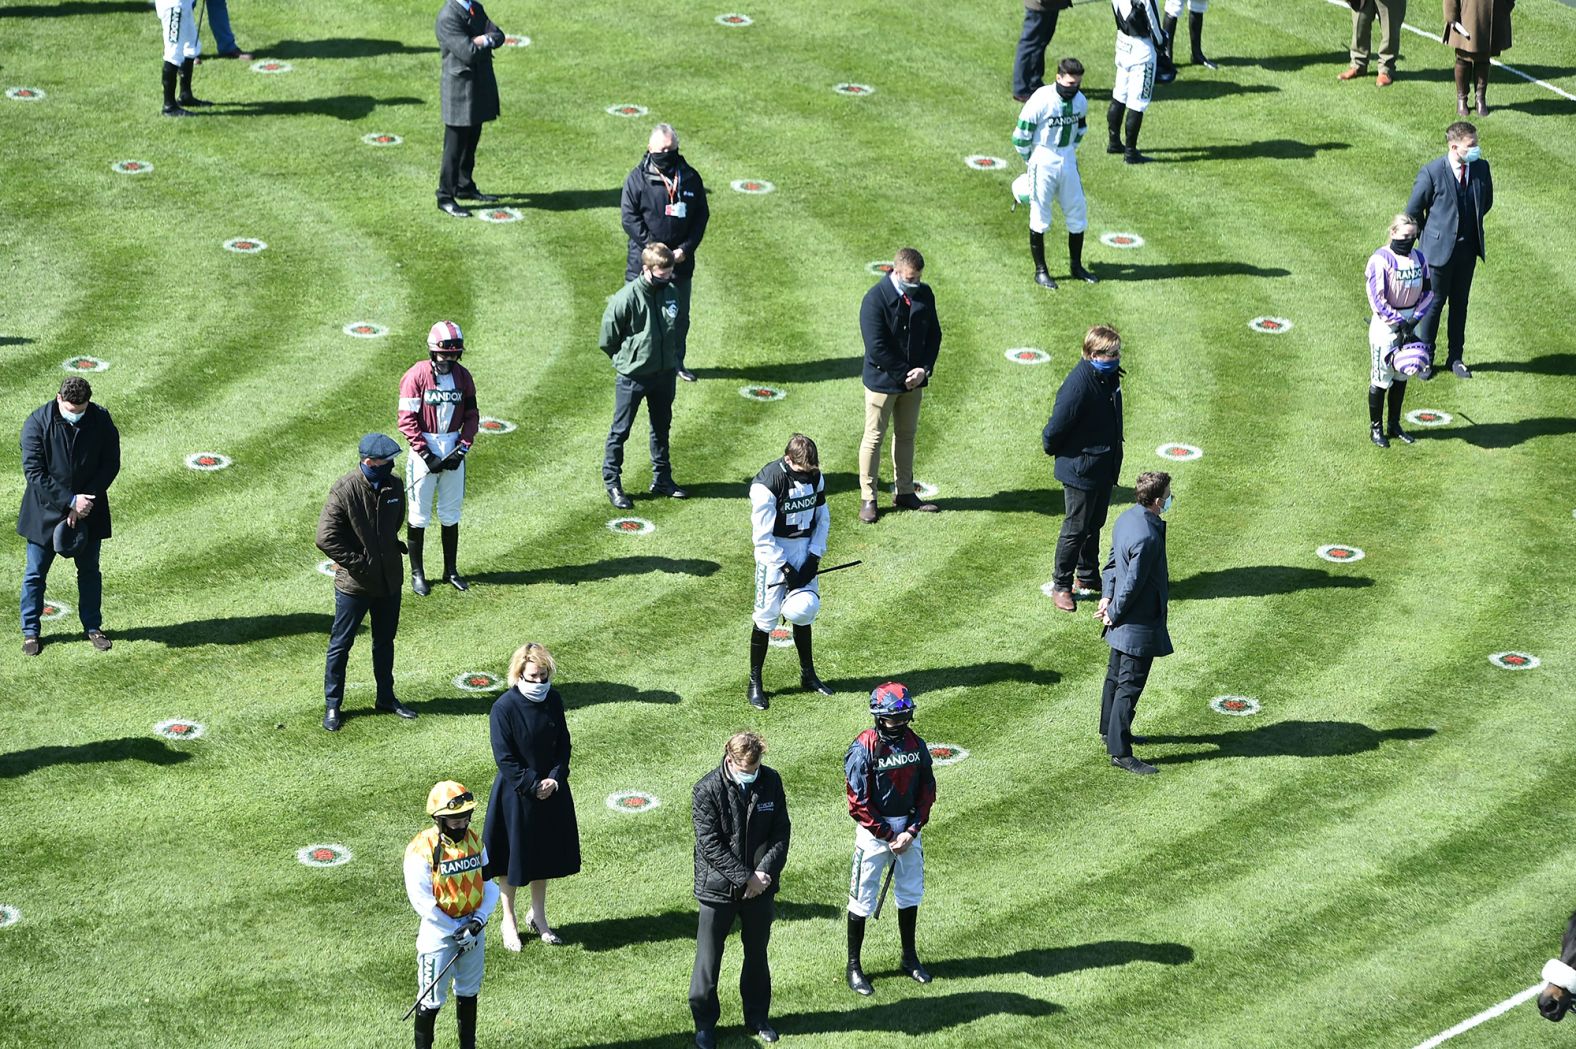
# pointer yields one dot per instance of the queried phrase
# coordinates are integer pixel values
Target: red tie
(907, 301)
(1463, 174)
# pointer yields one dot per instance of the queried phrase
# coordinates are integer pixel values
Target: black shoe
(1199, 60)
(448, 207)
(1113, 145)
(1376, 435)
(765, 1032)
(686, 375)
(419, 585)
(193, 102)
(706, 1039)
(1167, 72)
(1043, 279)
(916, 970)
(1133, 156)
(1461, 369)
(396, 708)
(1084, 275)
(31, 646)
(176, 111)
(1133, 765)
(810, 683)
(478, 196)
(332, 719)
(620, 501)
(671, 490)
(1401, 435)
(756, 694)
(457, 581)
(100, 640)
(857, 982)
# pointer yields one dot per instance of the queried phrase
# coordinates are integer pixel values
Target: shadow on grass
(1129, 271)
(1286, 739)
(562, 199)
(232, 631)
(1548, 364)
(1056, 961)
(14, 340)
(1049, 500)
(912, 1017)
(936, 678)
(342, 107)
(610, 934)
(829, 368)
(1504, 435)
(1335, 59)
(611, 568)
(836, 484)
(1192, 89)
(1261, 581)
(340, 47)
(130, 748)
(576, 695)
(1270, 149)
(76, 7)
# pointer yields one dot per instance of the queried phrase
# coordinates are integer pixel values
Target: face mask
(1067, 91)
(892, 733)
(1169, 503)
(658, 282)
(908, 285)
(535, 691)
(377, 474)
(1403, 248)
(1105, 365)
(665, 162)
(73, 417)
(809, 476)
(454, 835)
(1473, 153)
(745, 778)
(442, 367)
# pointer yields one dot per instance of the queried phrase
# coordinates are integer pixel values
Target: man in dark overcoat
(466, 36)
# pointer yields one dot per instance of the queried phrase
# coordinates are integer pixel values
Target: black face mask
(659, 282)
(809, 476)
(442, 367)
(1403, 248)
(667, 162)
(893, 733)
(377, 474)
(1067, 91)
(453, 835)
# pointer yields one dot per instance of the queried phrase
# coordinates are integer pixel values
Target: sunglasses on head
(458, 800)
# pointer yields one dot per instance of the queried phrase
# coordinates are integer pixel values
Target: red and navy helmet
(891, 700)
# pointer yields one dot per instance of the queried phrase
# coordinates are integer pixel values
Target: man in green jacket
(640, 332)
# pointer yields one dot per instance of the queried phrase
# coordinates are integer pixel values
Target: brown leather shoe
(1384, 80)
(911, 502)
(1351, 74)
(1063, 599)
(867, 511)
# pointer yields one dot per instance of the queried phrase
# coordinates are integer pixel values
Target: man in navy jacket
(902, 338)
(1085, 435)
(1450, 197)
(1136, 586)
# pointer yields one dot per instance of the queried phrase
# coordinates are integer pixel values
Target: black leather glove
(805, 572)
(434, 464)
(456, 457)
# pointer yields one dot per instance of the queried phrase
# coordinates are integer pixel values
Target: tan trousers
(881, 410)
(1391, 14)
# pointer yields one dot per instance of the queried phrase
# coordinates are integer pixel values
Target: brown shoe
(1351, 74)
(867, 511)
(1063, 599)
(911, 502)
(30, 646)
(1384, 80)
(100, 640)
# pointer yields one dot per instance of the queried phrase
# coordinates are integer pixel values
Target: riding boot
(465, 1013)
(907, 918)
(187, 98)
(758, 641)
(451, 549)
(1075, 259)
(1113, 123)
(425, 1020)
(1195, 33)
(1463, 67)
(807, 678)
(1168, 26)
(856, 942)
(1480, 73)
(1042, 276)
(170, 72)
(1135, 122)
(1375, 411)
(1393, 429)
(414, 538)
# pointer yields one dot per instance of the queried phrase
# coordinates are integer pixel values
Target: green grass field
(1380, 852)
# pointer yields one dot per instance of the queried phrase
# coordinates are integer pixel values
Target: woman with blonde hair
(1399, 295)
(531, 834)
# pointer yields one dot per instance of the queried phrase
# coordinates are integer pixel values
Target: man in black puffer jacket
(741, 845)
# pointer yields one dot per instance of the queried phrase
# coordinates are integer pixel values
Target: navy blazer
(1137, 584)
(888, 358)
(1084, 431)
(1433, 204)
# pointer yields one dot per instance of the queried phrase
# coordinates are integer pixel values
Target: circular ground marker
(381, 138)
(780, 637)
(9, 915)
(1027, 355)
(500, 215)
(490, 425)
(754, 186)
(269, 65)
(626, 109)
(859, 90)
(880, 268)
(981, 162)
(478, 681)
(207, 461)
(244, 245)
(327, 567)
(1179, 453)
(762, 393)
(1234, 706)
(24, 94)
(1340, 553)
(630, 526)
(131, 167)
(516, 41)
(85, 364)
(323, 855)
(946, 754)
(55, 610)
(632, 801)
(1270, 325)
(179, 728)
(365, 330)
(1429, 417)
(1121, 240)
(735, 20)
(1514, 660)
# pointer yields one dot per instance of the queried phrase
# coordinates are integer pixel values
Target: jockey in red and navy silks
(889, 780)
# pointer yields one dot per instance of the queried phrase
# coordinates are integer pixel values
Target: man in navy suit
(1449, 199)
(1135, 588)
(902, 338)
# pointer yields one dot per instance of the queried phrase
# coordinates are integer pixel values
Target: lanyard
(672, 187)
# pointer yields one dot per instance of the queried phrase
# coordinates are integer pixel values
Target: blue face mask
(1169, 503)
(745, 778)
(1473, 153)
(535, 691)
(1105, 365)
(377, 474)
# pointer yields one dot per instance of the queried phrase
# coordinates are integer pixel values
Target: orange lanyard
(672, 187)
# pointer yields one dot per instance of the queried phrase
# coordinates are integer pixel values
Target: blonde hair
(530, 652)
(656, 256)
(1403, 221)
(1102, 341)
(745, 747)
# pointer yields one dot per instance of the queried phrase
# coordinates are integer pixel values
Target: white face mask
(72, 417)
(744, 778)
(535, 691)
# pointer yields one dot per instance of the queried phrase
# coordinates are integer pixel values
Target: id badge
(678, 210)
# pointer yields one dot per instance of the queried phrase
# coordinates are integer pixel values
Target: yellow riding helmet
(449, 798)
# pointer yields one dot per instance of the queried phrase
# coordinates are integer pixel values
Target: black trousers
(459, 160)
(628, 391)
(1078, 547)
(349, 611)
(755, 980)
(1453, 284)
(1125, 677)
(1028, 70)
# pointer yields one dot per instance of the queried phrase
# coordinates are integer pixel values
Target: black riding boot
(424, 1024)
(907, 918)
(807, 679)
(465, 1013)
(1195, 33)
(187, 98)
(856, 942)
(758, 641)
(1113, 123)
(1397, 395)
(1075, 259)
(414, 538)
(1375, 410)
(1135, 122)
(170, 72)
(451, 549)
(1168, 26)
(1042, 276)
